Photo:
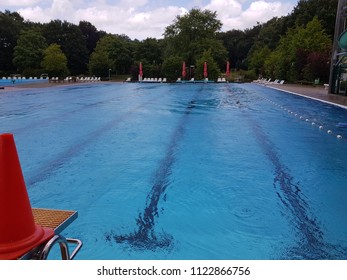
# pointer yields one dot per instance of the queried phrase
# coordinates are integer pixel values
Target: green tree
(100, 61)
(69, 36)
(212, 67)
(289, 58)
(121, 54)
(257, 59)
(28, 53)
(238, 44)
(10, 26)
(150, 50)
(324, 10)
(192, 34)
(172, 67)
(55, 62)
(91, 35)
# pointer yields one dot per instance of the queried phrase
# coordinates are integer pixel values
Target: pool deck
(314, 92)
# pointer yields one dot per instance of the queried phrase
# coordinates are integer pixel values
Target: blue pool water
(16, 82)
(205, 171)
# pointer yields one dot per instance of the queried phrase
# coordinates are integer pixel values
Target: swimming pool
(14, 82)
(173, 171)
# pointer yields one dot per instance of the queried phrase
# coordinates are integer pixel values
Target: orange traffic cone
(18, 231)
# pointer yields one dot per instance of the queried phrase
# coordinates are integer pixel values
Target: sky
(141, 19)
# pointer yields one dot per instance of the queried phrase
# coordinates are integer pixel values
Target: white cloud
(19, 3)
(258, 11)
(139, 20)
(225, 8)
(130, 21)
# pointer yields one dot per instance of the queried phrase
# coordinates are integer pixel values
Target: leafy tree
(318, 65)
(55, 62)
(289, 58)
(72, 42)
(10, 27)
(150, 50)
(172, 66)
(91, 35)
(212, 67)
(191, 34)
(238, 44)
(28, 53)
(257, 59)
(274, 65)
(324, 10)
(100, 61)
(121, 54)
(270, 32)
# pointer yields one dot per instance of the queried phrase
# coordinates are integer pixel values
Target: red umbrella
(140, 70)
(228, 69)
(205, 69)
(184, 73)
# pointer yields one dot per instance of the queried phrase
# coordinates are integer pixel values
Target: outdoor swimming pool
(14, 82)
(174, 171)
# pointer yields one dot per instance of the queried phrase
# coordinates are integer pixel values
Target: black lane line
(64, 115)
(145, 237)
(311, 244)
(62, 158)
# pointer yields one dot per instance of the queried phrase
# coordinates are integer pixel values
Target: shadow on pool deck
(317, 92)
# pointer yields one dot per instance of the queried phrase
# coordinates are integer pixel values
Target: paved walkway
(316, 92)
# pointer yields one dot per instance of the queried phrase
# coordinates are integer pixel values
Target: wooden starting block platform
(58, 220)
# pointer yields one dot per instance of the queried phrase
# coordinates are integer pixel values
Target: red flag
(228, 69)
(205, 69)
(184, 73)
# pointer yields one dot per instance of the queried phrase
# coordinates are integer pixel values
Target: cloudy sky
(140, 19)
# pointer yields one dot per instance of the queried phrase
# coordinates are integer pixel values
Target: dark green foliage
(212, 67)
(91, 35)
(269, 48)
(10, 26)
(192, 34)
(172, 67)
(150, 50)
(72, 42)
(324, 10)
(100, 61)
(28, 53)
(55, 62)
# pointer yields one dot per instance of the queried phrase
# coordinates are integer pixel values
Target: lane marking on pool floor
(145, 236)
(311, 244)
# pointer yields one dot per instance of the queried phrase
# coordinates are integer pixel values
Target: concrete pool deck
(315, 92)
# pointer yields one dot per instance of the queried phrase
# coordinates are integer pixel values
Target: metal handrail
(79, 245)
(64, 248)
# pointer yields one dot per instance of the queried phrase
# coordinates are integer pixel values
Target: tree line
(296, 47)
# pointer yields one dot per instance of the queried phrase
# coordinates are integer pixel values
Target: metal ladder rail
(64, 248)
